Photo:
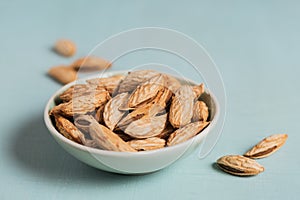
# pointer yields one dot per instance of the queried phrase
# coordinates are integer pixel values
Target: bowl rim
(56, 134)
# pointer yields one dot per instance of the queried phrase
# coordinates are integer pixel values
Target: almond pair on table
(245, 165)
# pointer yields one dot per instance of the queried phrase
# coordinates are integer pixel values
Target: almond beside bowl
(130, 162)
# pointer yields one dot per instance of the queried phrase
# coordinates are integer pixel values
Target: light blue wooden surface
(255, 44)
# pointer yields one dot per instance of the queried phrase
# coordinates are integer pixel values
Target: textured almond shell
(163, 97)
(146, 127)
(185, 133)
(67, 95)
(99, 114)
(166, 132)
(200, 111)
(267, 146)
(181, 110)
(148, 144)
(69, 130)
(146, 91)
(198, 90)
(82, 104)
(80, 90)
(135, 78)
(239, 165)
(172, 83)
(109, 83)
(112, 114)
(106, 139)
(150, 110)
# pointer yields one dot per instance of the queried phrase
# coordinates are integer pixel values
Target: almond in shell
(200, 112)
(135, 78)
(69, 130)
(267, 146)
(112, 114)
(181, 110)
(147, 144)
(146, 127)
(68, 94)
(185, 133)
(239, 165)
(106, 139)
(172, 83)
(198, 90)
(146, 91)
(109, 83)
(82, 104)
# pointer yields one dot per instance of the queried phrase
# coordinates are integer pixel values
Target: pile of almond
(144, 110)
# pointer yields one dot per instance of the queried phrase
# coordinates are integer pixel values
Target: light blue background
(255, 44)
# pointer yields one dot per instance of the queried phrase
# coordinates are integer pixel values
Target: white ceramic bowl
(128, 162)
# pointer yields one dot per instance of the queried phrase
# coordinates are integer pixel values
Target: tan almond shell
(146, 127)
(65, 47)
(181, 109)
(198, 90)
(185, 133)
(200, 111)
(69, 130)
(67, 95)
(172, 83)
(99, 114)
(80, 90)
(149, 109)
(267, 146)
(112, 115)
(146, 91)
(82, 104)
(81, 123)
(63, 74)
(135, 78)
(147, 144)
(90, 63)
(109, 83)
(106, 139)
(239, 165)
(166, 132)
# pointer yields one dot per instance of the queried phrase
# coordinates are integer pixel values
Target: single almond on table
(267, 146)
(90, 63)
(239, 165)
(65, 47)
(63, 74)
